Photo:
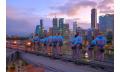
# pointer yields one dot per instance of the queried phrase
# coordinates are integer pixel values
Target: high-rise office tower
(61, 25)
(80, 30)
(41, 28)
(45, 32)
(37, 30)
(55, 22)
(66, 26)
(55, 26)
(66, 31)
(74, 27)
(51, 30)
(93, 18)
(106, 23)
(41, 24)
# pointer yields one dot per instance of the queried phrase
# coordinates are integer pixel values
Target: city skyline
(23, 16)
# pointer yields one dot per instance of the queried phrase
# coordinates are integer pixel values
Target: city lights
(29, 43)
(14, 42)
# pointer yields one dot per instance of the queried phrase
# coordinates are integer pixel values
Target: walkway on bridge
(54, 65)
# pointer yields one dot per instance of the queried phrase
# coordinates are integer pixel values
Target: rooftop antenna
(55, 15)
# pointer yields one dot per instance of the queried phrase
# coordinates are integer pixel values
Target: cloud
(72, 8)
(106, 11)
(106, 6)
(20, 21)
(107, 1)
(18, 27)
(50, 15)
(21, 14)
(23, 22)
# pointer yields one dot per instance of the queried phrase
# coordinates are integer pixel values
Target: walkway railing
(66, 51)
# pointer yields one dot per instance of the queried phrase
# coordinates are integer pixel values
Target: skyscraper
(66, 31)
(74, 27)
(55, 22)
(41, 24)
(45, 32)
(93, 18)
(37, 30)
(41, 28)
(55, 26)
(51, 30)
(66, 26)
(80, 30)
(61, 25)
(106, 23)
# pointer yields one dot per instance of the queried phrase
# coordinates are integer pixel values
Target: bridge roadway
(53, 65)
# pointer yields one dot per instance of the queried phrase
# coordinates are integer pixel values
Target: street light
(28, 43)
(14, 42)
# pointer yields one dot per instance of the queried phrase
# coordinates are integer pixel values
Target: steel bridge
(57, 65)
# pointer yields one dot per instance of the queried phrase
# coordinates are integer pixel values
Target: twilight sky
(23, 15)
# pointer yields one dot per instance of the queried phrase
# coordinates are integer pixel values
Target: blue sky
(23, 15)
(40, 7)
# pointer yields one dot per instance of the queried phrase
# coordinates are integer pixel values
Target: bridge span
(52, 65)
